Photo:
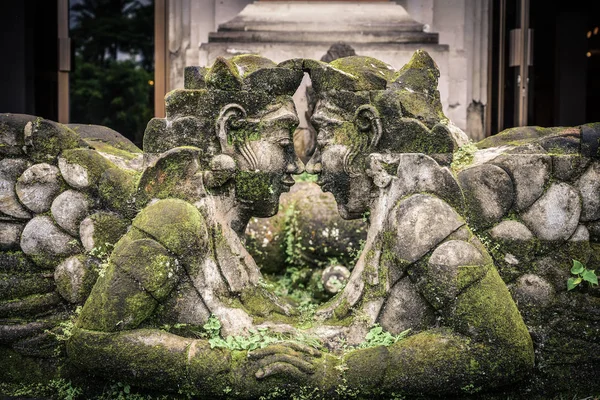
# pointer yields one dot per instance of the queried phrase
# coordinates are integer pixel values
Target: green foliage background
(113, 65)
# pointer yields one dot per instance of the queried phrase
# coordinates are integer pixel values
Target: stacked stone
(56, 222)
(533, 196)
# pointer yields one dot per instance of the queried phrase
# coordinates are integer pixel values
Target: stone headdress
(398, 111)
(245, 85)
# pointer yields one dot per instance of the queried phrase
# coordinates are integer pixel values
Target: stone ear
(231, 118)
(367, 122)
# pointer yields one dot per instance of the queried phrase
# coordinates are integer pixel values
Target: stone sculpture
(151, 244)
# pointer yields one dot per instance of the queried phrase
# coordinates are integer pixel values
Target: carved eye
(285, 142)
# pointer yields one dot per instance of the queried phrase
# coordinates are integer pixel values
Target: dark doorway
(564, 78)
(29, 67)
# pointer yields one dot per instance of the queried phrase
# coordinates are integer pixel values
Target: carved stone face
(267, 160)
(339, 166)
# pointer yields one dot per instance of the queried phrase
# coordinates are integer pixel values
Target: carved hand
(288, 358)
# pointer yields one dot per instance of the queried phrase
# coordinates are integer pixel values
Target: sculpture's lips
(288, 182)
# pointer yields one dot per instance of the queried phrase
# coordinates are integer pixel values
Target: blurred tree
(112, 80)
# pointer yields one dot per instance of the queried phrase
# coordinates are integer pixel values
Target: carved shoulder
(418, 224)
(175, 224)
(452, 267)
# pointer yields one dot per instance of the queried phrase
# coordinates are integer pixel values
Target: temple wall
(462, 25)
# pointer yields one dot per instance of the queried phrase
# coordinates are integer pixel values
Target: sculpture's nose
(296, 167)
(314, 164)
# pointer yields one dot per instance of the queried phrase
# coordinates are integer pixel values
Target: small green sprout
(581, 274)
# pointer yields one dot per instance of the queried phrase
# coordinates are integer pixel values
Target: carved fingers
(286, 359)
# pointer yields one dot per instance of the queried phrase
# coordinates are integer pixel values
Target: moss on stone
(93, 163)
(33, 304)
(17, 285)
(485, 311)
(108, 229)
(117, 188)
(150, 264)
(175, 224)
(169, 176)
(252, 186)
(224, 75)
(133, 358)
(22, 370)
(116, 302)
(127, 153)
(49, 139)
(16, 261)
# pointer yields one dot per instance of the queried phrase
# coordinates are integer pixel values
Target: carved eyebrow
(324, 119)
(281, 115)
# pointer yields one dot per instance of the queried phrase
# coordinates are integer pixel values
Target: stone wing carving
(66, 197)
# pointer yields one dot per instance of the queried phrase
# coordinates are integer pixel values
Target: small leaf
(126, 389)
(572, 283)
(577, 267)
(590, 276)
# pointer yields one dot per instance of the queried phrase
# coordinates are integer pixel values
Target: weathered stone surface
(568, 166)
(46, 139)
(10, 170)
(30, 305)
(75, 175)
(74, 278)
(42, 238)
(421, 221)
(82, 168)
(594, 230)
(12, 131)
(581, 234)
(488, 192)
(69, 209)
(10, 235)
(96, 135)
(38, 186)
(529, 174)
(511, 230)
(555, 215)
(405, 309)
(12, 332)
(589, 187)
(419, 173)
(102, 230)
(422, 268)
(17, 285)
(452, 266)
(533, 291)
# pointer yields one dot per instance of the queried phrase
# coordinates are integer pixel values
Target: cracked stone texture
(555, 215)
(421, 221)
(10, 170)
(529, 173)
(69, 209)
(489, 193)
(41, 237)
(589, 186)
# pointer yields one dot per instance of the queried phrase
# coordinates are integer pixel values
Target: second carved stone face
(340, 167)
(267, 162)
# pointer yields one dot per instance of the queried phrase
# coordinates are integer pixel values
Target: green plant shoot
(581, 274)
